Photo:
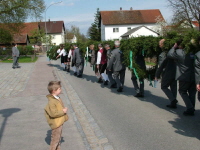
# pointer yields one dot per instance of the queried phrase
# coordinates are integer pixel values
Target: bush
(146, 45)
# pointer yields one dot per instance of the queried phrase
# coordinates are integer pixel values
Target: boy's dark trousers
(55, 138)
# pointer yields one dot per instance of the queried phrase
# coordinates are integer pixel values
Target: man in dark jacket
(185, 76)
(116, 62)
(197, 71)
(139, 60)
(78, 61)
(167, 69)
(113, 84)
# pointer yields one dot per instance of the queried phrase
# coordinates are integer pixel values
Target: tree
(75, 31)
(185, 10)
(94, 32)
(13, 13)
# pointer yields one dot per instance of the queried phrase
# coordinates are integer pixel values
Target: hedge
(146, 45)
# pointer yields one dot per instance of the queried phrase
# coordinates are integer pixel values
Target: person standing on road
(63, 55)
(101, 64)
(113, 84)
(69, 57)
(139, 89)
(78, 61)
(93, 60)
(167, 68)
(116, 63)
(55, 113)
(185, 75)
(15, 55)
(197, 71)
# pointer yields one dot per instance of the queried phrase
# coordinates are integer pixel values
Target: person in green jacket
(55, 113)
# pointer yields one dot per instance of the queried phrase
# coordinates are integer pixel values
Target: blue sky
(81, 12)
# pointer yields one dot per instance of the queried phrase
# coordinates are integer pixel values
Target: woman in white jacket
(63, 55)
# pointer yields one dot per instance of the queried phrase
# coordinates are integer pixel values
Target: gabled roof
(29, 28)
(20, 38)
(134, 30)
(130, 16)
(195, 23)
(52, 26)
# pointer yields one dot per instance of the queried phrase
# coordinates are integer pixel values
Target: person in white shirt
(70, 54)
(63, 55)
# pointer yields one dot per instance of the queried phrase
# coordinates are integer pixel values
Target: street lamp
(45, 20)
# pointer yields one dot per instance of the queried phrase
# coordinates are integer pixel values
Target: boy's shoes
(75, 73)
(139, 95)
(189, 112)
(113, 85)
(79, 76)
(106, 82)
(18, 67)
(13, 67)
(120, 89)
(100, 80)
(173, 104)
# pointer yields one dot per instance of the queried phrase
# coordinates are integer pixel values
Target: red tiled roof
(20, 38)
(130, 16)
(52, 26)
(196, 23)
(29, 28)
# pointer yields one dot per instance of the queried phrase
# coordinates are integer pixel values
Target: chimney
(131, 8)
(49, 20)
(120, 8)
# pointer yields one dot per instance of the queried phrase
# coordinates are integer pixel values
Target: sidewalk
(23, 98)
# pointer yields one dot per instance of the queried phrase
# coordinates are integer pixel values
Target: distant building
(139, 31)
(116, 23)
(56, 29)
(71, 38)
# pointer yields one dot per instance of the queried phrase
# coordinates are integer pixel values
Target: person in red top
(102, 64)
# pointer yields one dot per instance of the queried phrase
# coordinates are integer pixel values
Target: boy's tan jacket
(54, 112)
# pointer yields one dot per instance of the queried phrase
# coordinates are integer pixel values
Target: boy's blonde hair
(53, 86)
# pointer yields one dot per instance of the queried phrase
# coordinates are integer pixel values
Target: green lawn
(22, 59)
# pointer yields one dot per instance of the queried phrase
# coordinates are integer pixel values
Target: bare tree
(185, 10)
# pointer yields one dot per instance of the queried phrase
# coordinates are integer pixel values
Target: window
(128, 28)
(115, 29)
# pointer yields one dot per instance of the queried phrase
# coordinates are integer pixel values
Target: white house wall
(57, 39)
(108, 34)
(143, 32)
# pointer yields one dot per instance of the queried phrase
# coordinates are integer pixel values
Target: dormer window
(128, 28)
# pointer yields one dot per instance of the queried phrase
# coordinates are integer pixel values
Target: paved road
(100, 118)
(136, 124)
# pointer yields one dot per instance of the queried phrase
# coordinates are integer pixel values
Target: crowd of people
(174, 66)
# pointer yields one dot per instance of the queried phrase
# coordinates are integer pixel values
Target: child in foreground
(55, 113)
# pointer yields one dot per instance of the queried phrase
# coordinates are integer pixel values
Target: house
(116, 23)
(70, 37)
(55, 29)
(139, 31)
(21, 39)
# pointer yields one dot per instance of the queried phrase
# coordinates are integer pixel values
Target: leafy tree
(94, 32)
(14, 12)
(75, 31)
(185, 10)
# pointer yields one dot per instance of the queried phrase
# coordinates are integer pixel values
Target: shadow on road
(6, 113)
(48, 138)
(185, 125)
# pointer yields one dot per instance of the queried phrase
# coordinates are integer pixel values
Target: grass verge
(22, 59)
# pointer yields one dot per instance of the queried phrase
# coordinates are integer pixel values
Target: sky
(81, 13)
